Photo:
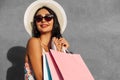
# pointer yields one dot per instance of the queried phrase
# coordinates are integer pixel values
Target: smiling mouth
(44, 25)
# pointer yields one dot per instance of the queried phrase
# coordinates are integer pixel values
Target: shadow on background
(16, 56)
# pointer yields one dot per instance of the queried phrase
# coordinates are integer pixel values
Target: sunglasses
(48, 17)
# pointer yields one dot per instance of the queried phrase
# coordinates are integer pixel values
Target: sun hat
(53, 5)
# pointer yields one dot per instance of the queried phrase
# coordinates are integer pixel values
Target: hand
(62, 42)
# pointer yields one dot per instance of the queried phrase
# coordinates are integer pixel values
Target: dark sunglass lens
(48, 17)
(38, 18)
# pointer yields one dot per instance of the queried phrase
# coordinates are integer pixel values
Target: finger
(53, 39)
(59, 45)
(65, 43)
(57, 42)
(61, 39)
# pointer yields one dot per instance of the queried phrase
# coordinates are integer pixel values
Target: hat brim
(31, 10)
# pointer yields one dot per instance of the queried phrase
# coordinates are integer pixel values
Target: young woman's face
(44, 21)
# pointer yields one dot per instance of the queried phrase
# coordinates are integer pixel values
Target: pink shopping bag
(54, 71)
(67, 66)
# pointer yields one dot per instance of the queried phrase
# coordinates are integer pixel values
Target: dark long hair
(56, 26)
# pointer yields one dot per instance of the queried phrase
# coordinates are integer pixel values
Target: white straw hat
(53, 5)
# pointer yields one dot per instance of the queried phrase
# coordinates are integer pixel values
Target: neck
(45, 39)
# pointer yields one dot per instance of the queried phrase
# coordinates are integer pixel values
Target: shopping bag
(46, 70)
(54, 71)
(67, 66)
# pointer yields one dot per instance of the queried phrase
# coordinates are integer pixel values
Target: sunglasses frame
(47, 18)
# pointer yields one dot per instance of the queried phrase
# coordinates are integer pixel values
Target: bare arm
(34, 52)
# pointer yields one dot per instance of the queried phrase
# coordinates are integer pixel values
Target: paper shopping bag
(67, 66)
(46, 70)
(54, 71)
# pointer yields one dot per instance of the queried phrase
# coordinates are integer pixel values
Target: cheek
(38, 26)
(51, 24)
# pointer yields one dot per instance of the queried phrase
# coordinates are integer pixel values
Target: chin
(46, 31)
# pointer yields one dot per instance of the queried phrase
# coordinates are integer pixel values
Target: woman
(46, 30)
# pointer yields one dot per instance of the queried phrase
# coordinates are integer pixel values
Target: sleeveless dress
(28, 73)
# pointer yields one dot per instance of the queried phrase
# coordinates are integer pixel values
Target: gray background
(93, 31)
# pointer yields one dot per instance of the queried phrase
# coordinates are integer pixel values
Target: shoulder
(34, 46)
(34, 49)
(33, 39)
(33, 42)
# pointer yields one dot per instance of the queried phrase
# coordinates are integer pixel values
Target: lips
(44, 25)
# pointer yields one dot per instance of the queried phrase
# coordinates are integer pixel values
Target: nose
(43, 20)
